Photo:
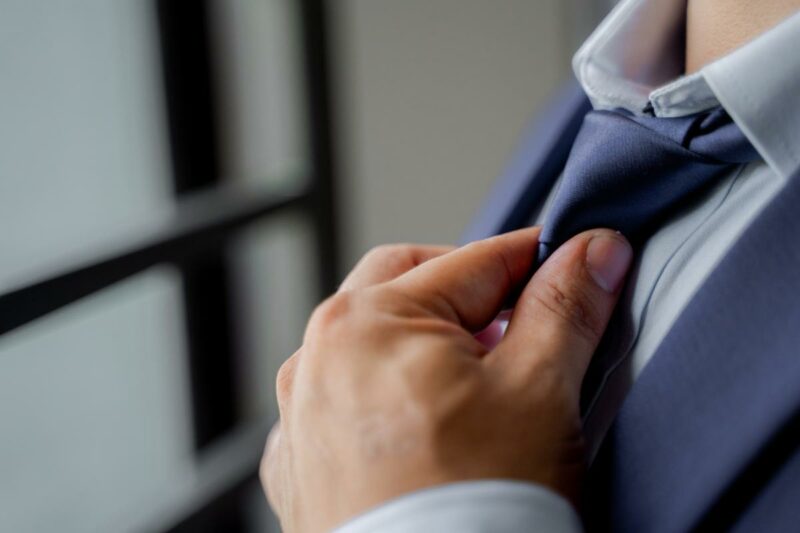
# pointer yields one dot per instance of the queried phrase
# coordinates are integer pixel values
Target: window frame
(208, 215)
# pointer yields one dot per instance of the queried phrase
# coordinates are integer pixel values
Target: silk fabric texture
(628, 172)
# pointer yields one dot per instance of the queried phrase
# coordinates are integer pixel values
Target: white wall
(433, 95)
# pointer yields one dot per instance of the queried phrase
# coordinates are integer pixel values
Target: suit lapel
(534, 167)
(723, 384)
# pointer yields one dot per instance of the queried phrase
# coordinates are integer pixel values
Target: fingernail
(608, 258)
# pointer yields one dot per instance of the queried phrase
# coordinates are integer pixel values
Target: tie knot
(628, 172)
(711, 133)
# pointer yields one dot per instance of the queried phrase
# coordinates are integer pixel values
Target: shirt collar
(634, 61)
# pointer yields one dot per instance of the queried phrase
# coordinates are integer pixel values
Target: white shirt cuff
(498, 506)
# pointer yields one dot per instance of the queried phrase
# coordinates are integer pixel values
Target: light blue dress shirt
(623, 64)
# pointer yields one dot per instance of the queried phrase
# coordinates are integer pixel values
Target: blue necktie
(628, 173)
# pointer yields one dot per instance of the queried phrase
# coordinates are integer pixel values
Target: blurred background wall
(96, 401)
(433, 95)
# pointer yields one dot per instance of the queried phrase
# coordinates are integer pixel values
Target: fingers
(468, 285)
(564, 309)
(384, 263)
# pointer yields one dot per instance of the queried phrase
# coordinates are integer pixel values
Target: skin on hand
(391, 392)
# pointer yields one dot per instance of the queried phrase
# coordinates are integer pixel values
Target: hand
(391, 392)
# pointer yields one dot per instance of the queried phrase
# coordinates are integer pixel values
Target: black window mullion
(316, 60)
(320, 207)
(186, 46)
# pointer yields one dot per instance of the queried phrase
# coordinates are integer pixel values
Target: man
(394, 417)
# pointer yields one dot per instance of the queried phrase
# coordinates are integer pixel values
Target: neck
(716, 27)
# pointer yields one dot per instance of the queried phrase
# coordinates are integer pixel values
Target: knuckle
(479, 247)
(284, 380)
(389, 300)
(344, 321)
(497, 253)
(571, 305)
(388, 252)
(330, 312)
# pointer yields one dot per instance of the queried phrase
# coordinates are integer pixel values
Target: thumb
(563, 311)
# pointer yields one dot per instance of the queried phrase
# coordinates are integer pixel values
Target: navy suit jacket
(708, 438)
